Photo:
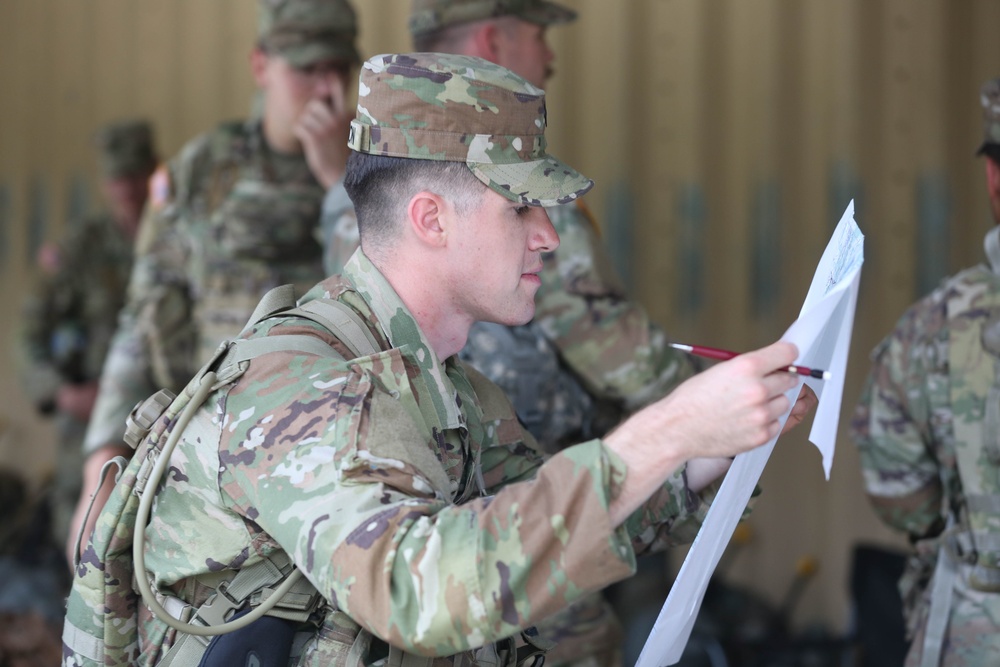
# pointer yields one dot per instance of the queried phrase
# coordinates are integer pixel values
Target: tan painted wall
(713, 127)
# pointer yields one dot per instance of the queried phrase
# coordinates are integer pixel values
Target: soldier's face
(288, 89)
(126, 196)
(498, 253)
(522, 48)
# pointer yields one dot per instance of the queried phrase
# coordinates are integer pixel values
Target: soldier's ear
(426, 218)
(258, 66)
(485, 41)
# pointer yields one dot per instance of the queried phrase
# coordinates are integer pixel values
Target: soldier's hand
(730, 408)
(804, 404)
(322, 129)
(702, 471)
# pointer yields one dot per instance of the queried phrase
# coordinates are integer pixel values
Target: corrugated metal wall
(726, 137)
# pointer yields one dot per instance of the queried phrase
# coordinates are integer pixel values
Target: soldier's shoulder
(923, 319)
(926, 321)
(209, 147)
(330, 287)
(98, 223)
(493, 402)
(78, 243)
(952, 291)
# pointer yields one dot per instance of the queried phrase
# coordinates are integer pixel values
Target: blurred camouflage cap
(427, 16)
(125, 148)
(304, 32)
(989, 97)
(454, 108)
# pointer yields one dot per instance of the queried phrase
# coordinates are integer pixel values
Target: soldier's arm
(607, 339)
(377, 533)
(893, 425)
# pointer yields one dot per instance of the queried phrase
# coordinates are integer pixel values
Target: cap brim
(308, 54)
(545, 182)
(549, 13)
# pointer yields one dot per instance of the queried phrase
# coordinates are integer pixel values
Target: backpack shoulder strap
(338, 318)
(275, 300)
(343, 322)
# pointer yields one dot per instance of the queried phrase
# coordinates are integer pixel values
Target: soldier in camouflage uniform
(401, 483)
(70, 316)
(235, 214)
(928, 430)
(590, 355)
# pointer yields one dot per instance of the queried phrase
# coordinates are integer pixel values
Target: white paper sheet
(823, 335)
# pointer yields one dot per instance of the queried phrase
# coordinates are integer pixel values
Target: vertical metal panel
(729, 126)
(198, 54)
(672, 190)
(5, 225)
(159, 94)
(71, 78)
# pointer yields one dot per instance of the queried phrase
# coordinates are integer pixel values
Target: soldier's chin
(516, 320)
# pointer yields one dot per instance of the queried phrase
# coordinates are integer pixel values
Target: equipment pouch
(267, 642)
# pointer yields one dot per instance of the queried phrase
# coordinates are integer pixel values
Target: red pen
(716, 353)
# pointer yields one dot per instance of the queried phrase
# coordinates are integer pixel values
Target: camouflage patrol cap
(455, 108)
(125, 148)
(989, 97)
(304, 32)
(427, 16)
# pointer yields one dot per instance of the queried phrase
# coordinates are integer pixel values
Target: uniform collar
(400, 328)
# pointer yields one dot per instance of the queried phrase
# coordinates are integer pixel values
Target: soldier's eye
(522, 211)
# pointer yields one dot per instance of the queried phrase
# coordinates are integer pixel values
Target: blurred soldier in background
(235, 213)
(70, 317)
(928, 430)
(590, 356)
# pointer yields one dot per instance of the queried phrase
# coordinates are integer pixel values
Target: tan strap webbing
(342, 321)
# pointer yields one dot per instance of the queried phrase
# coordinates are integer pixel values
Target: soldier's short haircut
(451, 39)
(445, 40)
(381, 186)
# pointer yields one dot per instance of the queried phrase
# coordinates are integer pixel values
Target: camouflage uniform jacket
(237, 219)
(905, 430)
(396, 482)
(70, 316)
(589, 356)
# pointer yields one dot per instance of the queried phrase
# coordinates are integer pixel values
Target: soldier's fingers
(773, 357)
(319, 111)
(779, 382)
(338, 93)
